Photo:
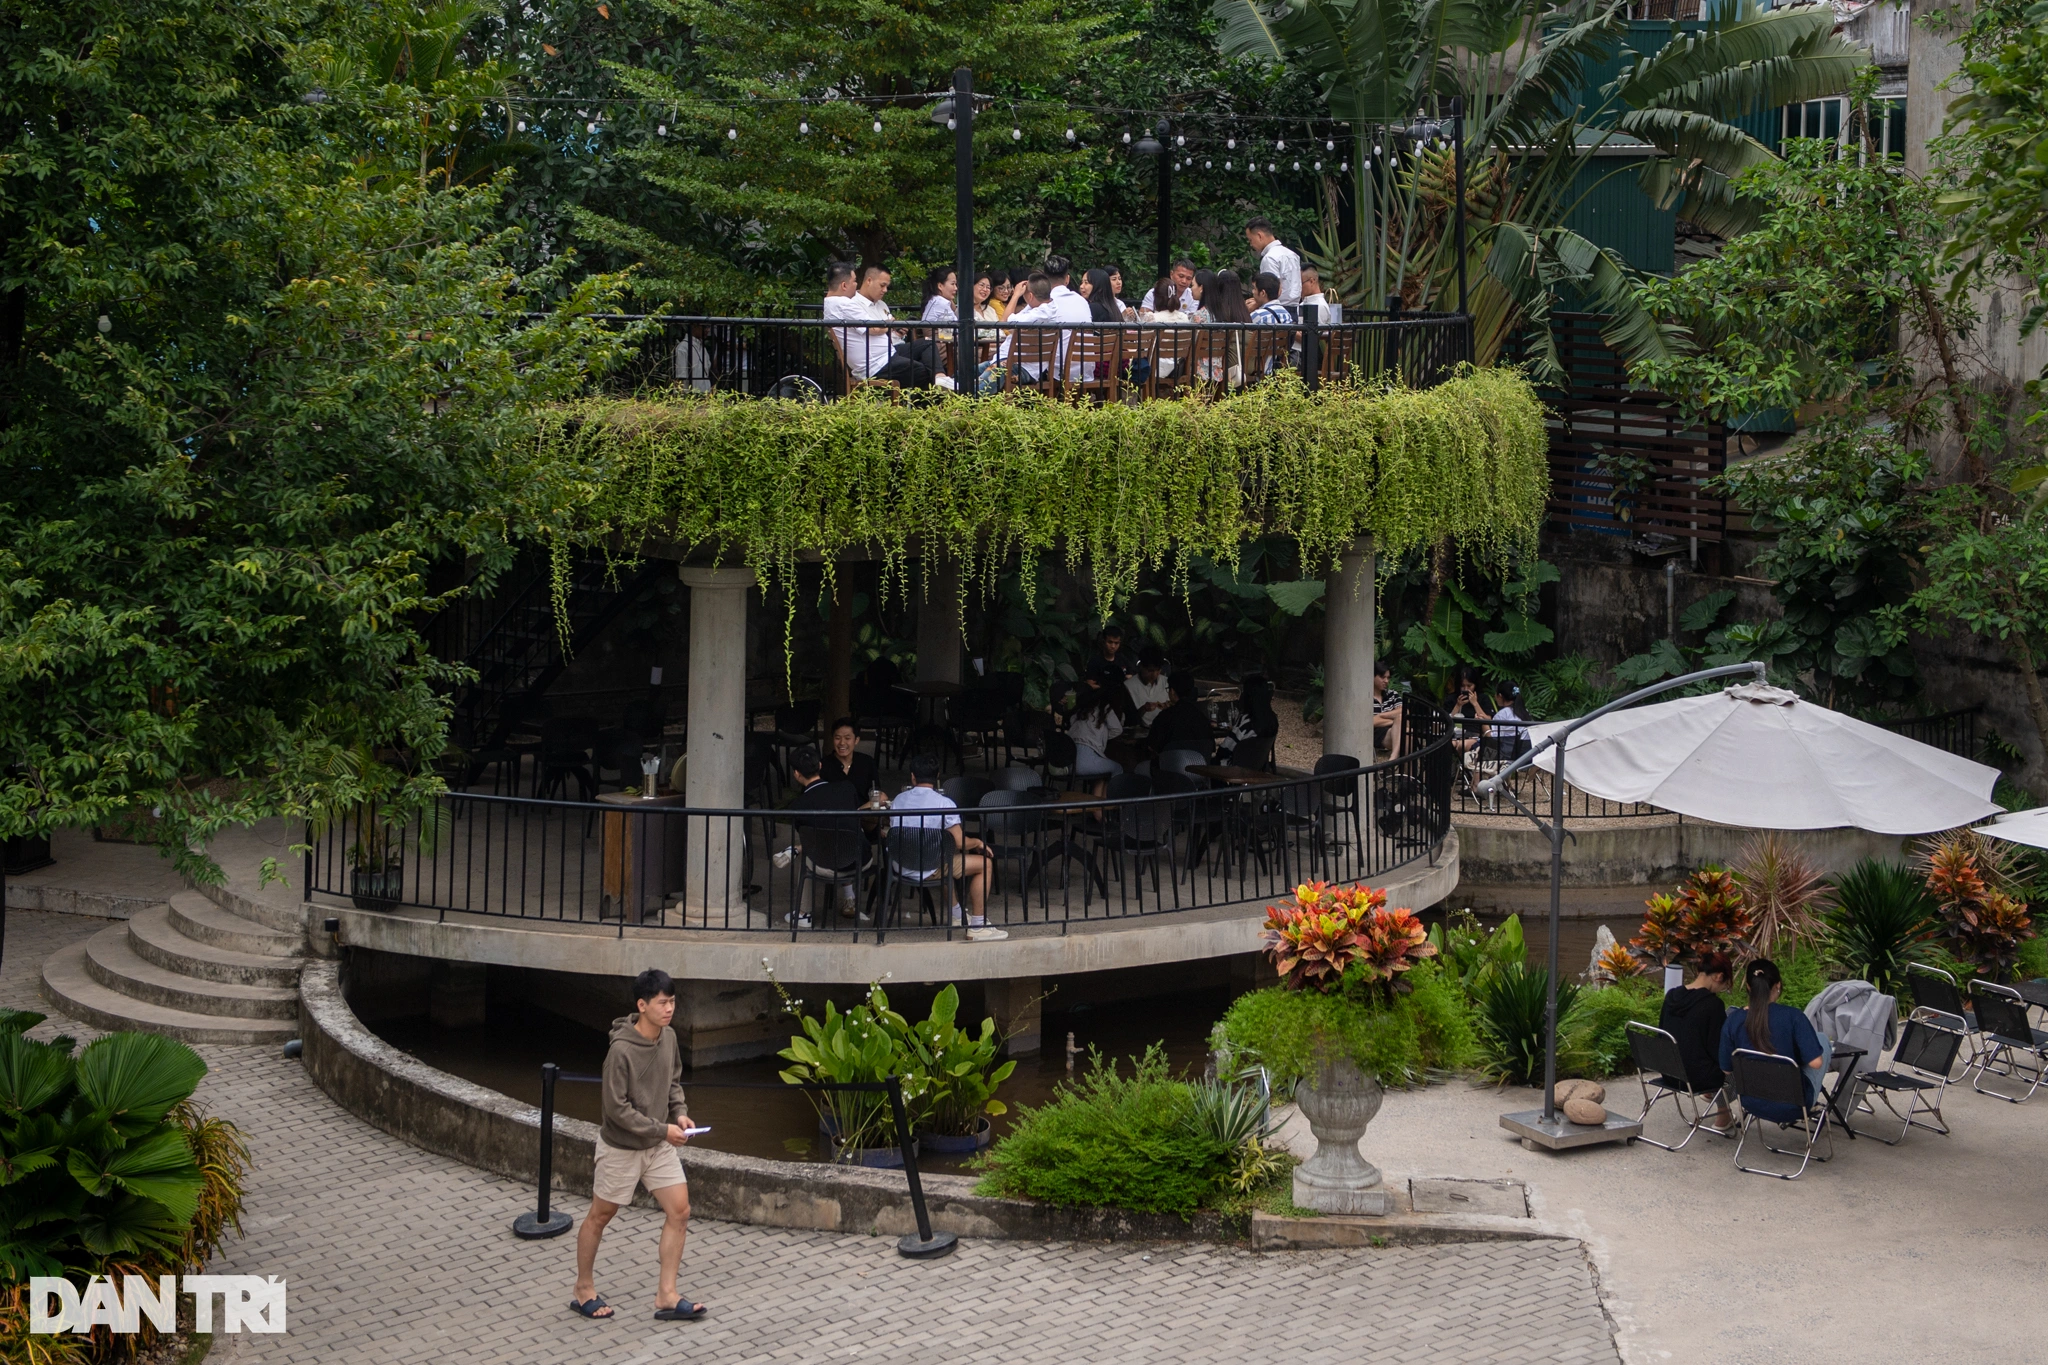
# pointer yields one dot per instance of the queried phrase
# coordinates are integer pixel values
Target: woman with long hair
(1097, 719)
(1225, 301)
(1764, 1025)
(1205, 280)
(940, 289)
(1101, 302)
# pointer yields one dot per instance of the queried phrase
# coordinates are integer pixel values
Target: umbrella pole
(1556, 915)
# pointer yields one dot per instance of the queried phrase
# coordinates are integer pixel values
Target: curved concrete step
(197, 917)
(157, 941)
(70, 988)
(111, 961)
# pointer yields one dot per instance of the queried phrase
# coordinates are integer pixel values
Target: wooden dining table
(1233, 776)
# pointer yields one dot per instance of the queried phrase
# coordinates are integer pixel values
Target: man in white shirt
(1312, 297)
(1148, 687)
(921, 806)
(874, 352)
(1281, 261)
(1039, 291)
(1068, 306)
(1183, 277)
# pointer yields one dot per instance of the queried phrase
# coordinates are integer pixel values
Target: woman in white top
(1097, 720)
(940, 291)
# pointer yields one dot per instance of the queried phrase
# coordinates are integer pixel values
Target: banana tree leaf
(1296, 597)
(1520, 636)
(1724, 67)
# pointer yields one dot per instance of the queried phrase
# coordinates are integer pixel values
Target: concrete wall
(480, 1127)
(1610, 603)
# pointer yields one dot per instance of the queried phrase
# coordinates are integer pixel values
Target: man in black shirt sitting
(833, 844)
(846, 763)
(1183, 724)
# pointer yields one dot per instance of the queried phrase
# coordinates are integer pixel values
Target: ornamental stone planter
(1339, 1106)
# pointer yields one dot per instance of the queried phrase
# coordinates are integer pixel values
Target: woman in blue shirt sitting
(1767, 1026)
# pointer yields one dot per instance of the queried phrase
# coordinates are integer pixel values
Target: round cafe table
(1233, 776)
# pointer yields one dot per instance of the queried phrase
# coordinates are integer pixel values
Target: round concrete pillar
(938, 622)
(716, 777)
(1347, 654)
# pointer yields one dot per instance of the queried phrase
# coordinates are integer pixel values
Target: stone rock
(1581, 1089)
(1584, 1111)
(1603, 939)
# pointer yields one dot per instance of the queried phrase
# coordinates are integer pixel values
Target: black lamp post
(1154, 144)
(957, 113)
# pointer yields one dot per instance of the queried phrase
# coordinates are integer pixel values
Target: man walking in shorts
(643, 1122)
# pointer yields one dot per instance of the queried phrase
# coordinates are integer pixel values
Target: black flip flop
(588, 1308)
(684, 1311)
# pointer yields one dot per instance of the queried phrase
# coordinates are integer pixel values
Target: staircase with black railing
(511, 639)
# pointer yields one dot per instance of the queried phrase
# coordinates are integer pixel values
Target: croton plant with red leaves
(1329, 930)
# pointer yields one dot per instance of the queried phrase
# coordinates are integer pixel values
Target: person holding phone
(644, 1122)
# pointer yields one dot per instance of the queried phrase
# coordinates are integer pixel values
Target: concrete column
(455, 997)
(938, 622)
(838, 698)
(1347, 654)
(717, 771)
(1014, 1005)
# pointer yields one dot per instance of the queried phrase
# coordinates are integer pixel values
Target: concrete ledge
(480, 1127)
(700, 955)
(1270, 1232)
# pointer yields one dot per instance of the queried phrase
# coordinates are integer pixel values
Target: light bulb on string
(1070, 134)
(1329, 146)
(1231, 144)
(1319, 165)
(1347, 166)
(804, 126)
(1226, 165)
(1180, 141)
(590, 127)
(1279, 145)
(1016, 135)
(878, 125)
(732, 135)
(951, 125)
(1270, 168)
(1208, 165)
(661, 130)
(522, 125)
(1297, 165)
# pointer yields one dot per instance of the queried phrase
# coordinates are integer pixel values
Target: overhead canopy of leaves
(1115, 487)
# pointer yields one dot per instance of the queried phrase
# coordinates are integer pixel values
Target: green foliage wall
(1113, 488)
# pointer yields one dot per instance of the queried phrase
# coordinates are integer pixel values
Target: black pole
(926, 1244)
(1458, 170)
(1556, 885)
(544, 1222)
(1311, 345)
(963, 226)
(1165, 133)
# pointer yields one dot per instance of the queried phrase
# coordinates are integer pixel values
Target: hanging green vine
(1113, 488)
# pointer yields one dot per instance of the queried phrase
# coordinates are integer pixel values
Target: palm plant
(1881, 919)
(1512, 1005)
(1391, 68)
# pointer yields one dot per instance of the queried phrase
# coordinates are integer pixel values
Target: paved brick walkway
(396, 1256)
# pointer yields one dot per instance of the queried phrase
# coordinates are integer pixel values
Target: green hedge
(1426, 1028)
(1113, 488)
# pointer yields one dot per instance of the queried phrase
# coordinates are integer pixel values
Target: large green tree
(249, 400)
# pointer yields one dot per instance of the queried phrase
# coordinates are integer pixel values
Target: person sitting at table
(1183, 724)
(1175, 293)
(1148, 687)
(921, 805)
(1109, 654)
(1387, 729)
(1223, 361)
(817, 792)
(941, 292)
(1256, 717)
(1463, 704)
(846, 763)
(1030, 301)
(1312, 296)
(986, 310)
(1510, 739)
(1694, 1015)
(1105, 307)
(1116, 292)
(1764, 1025)
(1095, 722)
(1196, 305)
(876, 351)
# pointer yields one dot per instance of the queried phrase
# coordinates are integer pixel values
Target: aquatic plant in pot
(960, 1076)
(862, 1046)
(1331, 937)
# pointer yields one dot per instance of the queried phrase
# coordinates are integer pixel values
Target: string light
(590, 127)
(661, 130)
(1297, 165)
(1180, 142)
(522, 125)
(1270, 168)
(1070, 134)
(1208, 165)
(1279, 145)
(1231, 144)
(1016, 135)
(951, 125)
(1226, 165)
(732, 134)
(1329, 146)
(878, 125)
(804, 126)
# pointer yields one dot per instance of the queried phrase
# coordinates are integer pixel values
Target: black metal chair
(617, 752)
(1024, 732)
(1936, 992)
(1178, 761)
(1340, 800)
(918, 859)
(1766, 1078)
(1060, 756)
(831, 855)
(966, 791)
(1015, 780)
(1659, 1063)
(1013, 832)
(2009, 1038)
(1256, 752)
(1920, 1068)
(976, 717)
(565, 744)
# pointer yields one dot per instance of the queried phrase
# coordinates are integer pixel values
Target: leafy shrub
(1333, 934)
(957, 1072)
(1566, 687)
(2033, 959)
(1805, 973)
(1617, 963)
(1468, 951)
(1782, 887)
(1397, 1039)
(1510, 1006)
(1970, 880)
(1110, 1140)
(1709, 914)
(1593, 1038)
(1880, 918)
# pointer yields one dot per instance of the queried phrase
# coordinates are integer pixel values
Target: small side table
(642, 855)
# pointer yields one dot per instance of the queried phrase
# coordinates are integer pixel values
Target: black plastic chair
(1659, 1063)
(1920, 1068)
(617, 752)
(1340, 803)
(966, 791)
(1015, 780)
(1012, 832)
(2009, 1038)
(565, 744)
(1256, 753)
(1768, 1078)
(975, 717)
(834, 856)
(1061, 756)
(918, 859)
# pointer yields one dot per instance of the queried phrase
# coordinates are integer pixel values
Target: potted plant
(863, 1045)
(962, 1076)
(378, 801)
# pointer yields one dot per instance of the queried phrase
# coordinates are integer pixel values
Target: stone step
(114, 963)
(69, 987)
(156, 940)
(277, 907)
(197, 917)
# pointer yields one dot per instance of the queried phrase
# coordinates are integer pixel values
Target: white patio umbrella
(2029, 827)
(1760, 756)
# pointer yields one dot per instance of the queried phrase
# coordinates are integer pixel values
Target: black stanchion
(543, 1221)
(926, 1244)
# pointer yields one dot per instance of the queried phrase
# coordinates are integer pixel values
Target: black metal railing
(1481, 748)
(1054, 858)
(1954, 731)
(820, 358)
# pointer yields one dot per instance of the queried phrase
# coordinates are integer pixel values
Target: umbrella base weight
(927, 1249)
(532, 1229)
(1561, 1134)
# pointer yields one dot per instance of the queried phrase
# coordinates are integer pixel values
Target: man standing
(644, 1122)
(1183, 300)
(1281, 261)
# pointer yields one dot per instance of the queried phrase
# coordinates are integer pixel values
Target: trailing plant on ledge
(1113, 488)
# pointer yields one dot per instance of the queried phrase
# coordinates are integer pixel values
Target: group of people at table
(880, 348)
(1135, 710)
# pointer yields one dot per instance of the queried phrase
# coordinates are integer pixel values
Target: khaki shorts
(618, 1169)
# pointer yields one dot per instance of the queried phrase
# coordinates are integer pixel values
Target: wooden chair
(847, 383)
(1039, 351)
(1265, 351)
(1095, 363)
(1173, 353)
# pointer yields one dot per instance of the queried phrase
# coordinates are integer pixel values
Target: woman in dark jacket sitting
(1694, 1015)
(1183, 724)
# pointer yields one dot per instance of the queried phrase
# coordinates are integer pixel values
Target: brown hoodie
(641, 1079)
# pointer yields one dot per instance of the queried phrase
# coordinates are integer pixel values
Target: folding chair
(1766, 1078)
(2007, 1033)
(1656, 1055)
(1920, 1064)
(1935, 993)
